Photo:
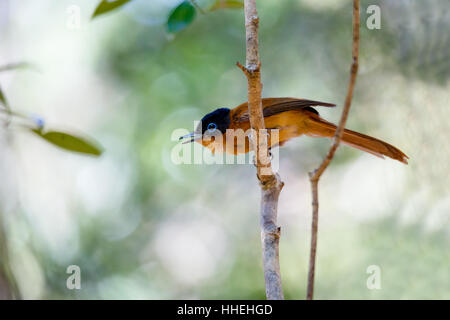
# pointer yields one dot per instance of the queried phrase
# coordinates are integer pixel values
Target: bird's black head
(219, 119)
(214, 123)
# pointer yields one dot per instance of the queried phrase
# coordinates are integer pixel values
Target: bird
(292, 117)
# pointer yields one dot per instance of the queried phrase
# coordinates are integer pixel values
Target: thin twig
(315, 175)
(8, 286)
(195, 4)
(270, 183)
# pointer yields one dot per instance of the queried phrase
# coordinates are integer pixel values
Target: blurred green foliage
(142, 227)
(60, 139)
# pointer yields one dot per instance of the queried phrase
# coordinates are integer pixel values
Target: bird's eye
(212, 126)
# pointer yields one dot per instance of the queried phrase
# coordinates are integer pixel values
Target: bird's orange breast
(289, 124)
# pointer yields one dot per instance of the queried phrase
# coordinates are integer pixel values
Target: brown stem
(315, 175)
(270, 183)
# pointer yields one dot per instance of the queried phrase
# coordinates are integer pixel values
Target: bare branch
(315, 175)
(8, 286)
(270, 183)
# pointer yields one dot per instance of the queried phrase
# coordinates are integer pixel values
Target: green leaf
(107, 6)
(15, 66)
(181, 17)
(69, 142)
(227, 4)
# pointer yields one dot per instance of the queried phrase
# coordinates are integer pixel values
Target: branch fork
(314, 176)
(249, 70)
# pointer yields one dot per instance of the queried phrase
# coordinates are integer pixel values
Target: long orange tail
(318, 127)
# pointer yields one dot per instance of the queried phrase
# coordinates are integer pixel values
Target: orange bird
(293, 117)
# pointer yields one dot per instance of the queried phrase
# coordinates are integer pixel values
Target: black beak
(194, 136)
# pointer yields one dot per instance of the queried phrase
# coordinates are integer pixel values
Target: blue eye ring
(212, 127)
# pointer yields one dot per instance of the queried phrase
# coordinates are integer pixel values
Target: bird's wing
(272, 106)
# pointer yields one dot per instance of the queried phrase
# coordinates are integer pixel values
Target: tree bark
(270, 183)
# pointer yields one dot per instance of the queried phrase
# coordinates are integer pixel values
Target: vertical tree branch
(270, 183)
(315, 175)
(8, 286)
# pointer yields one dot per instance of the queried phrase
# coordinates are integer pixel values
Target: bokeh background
(141, 227)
